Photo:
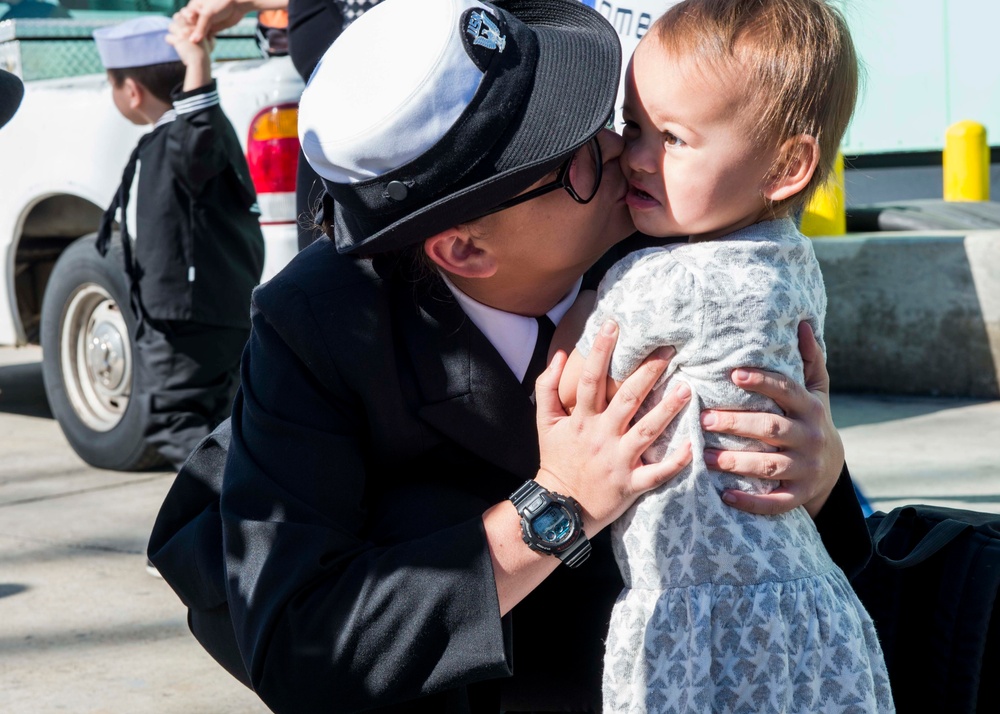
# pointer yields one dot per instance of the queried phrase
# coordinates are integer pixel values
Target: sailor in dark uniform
(199, 251)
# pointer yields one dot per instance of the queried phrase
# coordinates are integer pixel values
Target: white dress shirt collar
(512, 335)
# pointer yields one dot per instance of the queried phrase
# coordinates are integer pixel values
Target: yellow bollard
(966, 162)
(824, 214)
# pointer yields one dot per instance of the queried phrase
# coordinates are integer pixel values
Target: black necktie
(540, 357)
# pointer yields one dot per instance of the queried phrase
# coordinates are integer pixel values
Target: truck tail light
(273, 157)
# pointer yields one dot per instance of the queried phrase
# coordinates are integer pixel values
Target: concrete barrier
(913, 312)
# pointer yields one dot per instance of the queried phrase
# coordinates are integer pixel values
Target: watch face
(553, 525)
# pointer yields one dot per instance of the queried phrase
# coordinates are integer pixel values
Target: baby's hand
(567, 333)
(571, 326)
(565, 338)
(569, 380)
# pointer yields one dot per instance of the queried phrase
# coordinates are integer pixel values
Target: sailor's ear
(458, 252)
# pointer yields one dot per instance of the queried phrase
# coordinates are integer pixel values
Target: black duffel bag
(931, 588)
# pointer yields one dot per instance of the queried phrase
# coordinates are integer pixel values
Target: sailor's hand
(595, 454)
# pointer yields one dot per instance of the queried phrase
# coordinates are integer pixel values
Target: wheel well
(50, 226)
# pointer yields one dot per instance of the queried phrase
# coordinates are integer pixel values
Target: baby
(733, 113)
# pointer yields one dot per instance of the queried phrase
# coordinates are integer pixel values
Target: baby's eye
(671, 139)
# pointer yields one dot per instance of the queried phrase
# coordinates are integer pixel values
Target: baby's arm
(567, 333)
(196, 56)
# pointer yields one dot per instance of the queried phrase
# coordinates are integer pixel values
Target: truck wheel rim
(96, 358)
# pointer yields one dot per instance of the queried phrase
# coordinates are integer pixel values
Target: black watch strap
(525, 493)
(576, 553)
(530, 499)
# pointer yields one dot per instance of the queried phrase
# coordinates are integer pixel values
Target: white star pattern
(686, 561)
(728, 675)
(726, 566)
(762, 562)
(744, 697)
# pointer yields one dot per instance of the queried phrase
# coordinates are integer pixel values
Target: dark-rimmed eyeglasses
(580, 176)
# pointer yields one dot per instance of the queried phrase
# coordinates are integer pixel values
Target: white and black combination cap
(423, 115)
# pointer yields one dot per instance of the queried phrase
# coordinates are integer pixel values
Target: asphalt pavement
(84, 629)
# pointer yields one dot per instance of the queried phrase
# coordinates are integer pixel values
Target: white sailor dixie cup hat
(425, 114)
(139, 42)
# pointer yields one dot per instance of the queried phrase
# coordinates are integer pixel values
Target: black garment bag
(931, 588)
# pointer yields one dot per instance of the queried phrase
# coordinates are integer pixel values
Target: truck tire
(87, 335)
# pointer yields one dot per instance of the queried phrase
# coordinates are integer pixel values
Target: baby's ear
(798, 158)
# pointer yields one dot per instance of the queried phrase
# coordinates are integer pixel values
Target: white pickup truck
(62, 157)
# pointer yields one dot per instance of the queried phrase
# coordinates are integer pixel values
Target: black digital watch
(551, 523)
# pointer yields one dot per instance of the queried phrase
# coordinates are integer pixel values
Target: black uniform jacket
(374, 425)
(313, 25)
(199, 249)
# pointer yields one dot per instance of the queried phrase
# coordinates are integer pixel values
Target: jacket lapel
(469, 393)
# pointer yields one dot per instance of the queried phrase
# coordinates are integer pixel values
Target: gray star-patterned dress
(724, 611)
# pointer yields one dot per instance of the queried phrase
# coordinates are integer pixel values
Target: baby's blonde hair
(795, 59)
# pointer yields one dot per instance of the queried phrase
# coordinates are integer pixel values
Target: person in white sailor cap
(198, 249)
(400, 526)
